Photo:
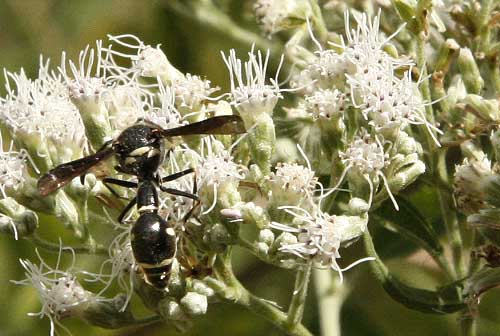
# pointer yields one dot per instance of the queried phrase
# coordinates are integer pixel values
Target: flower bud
(486, 109)
(406, 176)
(468, 185)
(254, 214)
(495, 142)
(406, 9)
(80, 190)
(169, 309)
(95, 118)
(16, 219)
(266, 236)
(358, 206)
(391, 50)
(202, 288)
(470, 71)
(262, 248)
(276, 15)
(445, 55)
(286, 238)
(67, 212)
(262, 140)
(286, 150)
(194, 304)
(218, 237)
(153, 62)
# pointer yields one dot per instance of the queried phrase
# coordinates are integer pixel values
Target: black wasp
(139, 150)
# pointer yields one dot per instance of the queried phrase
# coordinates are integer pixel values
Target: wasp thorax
(139, 149)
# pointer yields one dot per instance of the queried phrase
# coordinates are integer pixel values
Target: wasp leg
(196, 203)
(179, 193)
(177, 175)
(126, 210)
(127, 184)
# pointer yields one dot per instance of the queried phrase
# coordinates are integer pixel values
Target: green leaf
(443, 301)
(410, 223)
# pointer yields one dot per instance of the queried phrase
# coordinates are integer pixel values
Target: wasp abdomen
(154, 246)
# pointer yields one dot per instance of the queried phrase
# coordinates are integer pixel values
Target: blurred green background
(29, 28)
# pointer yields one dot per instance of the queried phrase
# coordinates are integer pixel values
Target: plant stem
(233, 291)
(205, 13)
(448, 212)
(52, 247)
(255, 252)
(296, 308)
(319, 22)
(437, 164)
(467, 324)
(147, 320)
(330, 294)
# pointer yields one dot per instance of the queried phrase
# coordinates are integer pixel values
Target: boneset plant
(350, 119)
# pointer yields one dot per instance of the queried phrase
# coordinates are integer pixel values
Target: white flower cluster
(353, 85)
(12, 168)
(357, 83)
(249, 90)
(319, 236)
(41, 108)
(365, 74)
(60, 292)
(99, 95)
(274, 16)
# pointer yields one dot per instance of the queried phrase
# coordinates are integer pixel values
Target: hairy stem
(330, 294)
(233, 291)
(468, 324)
(296, 308)
(437, 164)
(52, 247)
(207, 14)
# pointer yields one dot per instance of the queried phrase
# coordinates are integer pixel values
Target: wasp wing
(228, 124)
(64, 173)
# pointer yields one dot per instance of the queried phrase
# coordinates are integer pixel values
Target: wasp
(139, 150)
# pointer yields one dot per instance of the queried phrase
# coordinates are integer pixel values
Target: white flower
(191, 91)
(122, 262)
(82, 84)
(126, 103)
(364, 45)
(366, 154)
(387, 101)
(291, 183)
(147, 61)
(42, 108)
(276, 15)
(366, 157)
(60, 292)
(249, 91)
(216, 170)
(325, 103)
(219, 168)
(319, 236)
(390, 102)
(12, 168)
(325, 70)
(294, 177)
(166, 115)
(468, 186)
